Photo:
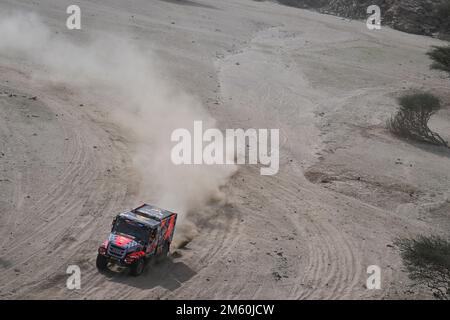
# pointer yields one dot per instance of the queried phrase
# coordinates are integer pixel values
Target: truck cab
(136, 236)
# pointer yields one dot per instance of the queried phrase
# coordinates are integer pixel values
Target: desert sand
(346, 188)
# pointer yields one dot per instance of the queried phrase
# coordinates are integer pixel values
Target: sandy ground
(345, 191)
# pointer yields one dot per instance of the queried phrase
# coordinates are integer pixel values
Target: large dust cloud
(141, 100)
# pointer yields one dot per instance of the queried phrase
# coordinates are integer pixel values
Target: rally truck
(137, 236)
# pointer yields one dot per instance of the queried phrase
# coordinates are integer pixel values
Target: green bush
(441, 58)
(411, 121)
(427, 259)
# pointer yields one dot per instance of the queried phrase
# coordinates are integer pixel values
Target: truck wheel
(101, 263)
(138, 267)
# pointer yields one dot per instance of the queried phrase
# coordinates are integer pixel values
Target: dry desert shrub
(440, 57)
(411, 120)
(427, 260)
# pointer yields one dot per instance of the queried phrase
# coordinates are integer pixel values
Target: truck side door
(152, 242)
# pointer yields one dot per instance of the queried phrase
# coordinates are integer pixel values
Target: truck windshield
(130, 228)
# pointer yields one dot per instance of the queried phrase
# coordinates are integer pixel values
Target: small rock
(276, 275)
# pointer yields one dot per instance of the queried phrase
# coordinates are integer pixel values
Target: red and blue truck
(137, 236)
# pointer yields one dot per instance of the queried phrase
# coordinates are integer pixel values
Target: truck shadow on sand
(168, 274)
(440, 151)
